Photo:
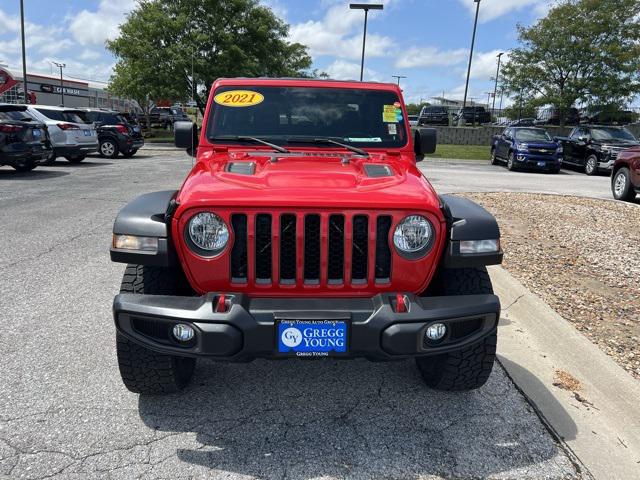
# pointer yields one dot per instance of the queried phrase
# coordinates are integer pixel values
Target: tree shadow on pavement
(312, 419)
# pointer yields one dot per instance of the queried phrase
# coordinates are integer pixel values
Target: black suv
(433, 115)
(473, 115)
(24, 142)
(115, 133)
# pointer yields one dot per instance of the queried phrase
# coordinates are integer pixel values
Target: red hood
(307, 179)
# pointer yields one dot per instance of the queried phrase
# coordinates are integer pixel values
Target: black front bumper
(247, 329)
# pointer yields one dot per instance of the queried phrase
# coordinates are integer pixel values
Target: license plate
(541, 164)
(312, 338)
(36, 133)
(87, 133)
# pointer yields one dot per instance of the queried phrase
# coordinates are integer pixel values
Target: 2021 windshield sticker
(391, 114)
(239, 98)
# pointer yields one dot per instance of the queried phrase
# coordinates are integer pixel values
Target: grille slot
(263, 248)
(360, 252)
(312, 249)
(239, 251)
(383, 252)
(288, 248)
(336, 249)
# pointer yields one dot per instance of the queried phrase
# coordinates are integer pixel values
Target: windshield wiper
(357, 150)
(240, 138)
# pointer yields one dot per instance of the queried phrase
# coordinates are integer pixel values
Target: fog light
(436, 332)
(183, 332)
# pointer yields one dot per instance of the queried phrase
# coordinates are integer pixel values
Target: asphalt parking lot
(64, 412)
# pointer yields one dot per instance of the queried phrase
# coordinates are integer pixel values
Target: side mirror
(186, 136)
(425, 142)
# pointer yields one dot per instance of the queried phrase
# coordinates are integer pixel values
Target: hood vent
(378, 171)
(241, 168)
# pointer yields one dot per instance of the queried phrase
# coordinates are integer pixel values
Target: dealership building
(48, 90)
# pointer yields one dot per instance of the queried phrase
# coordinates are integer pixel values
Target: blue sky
(426, 40)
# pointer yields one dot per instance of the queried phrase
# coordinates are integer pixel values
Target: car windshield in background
(362, 118)
(532, 135)
(612, 134)
(14, 115)
(73, 116)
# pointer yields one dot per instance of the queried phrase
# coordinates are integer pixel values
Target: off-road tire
(469, 368)
(623, 191)
(142, 370)
(591, 165)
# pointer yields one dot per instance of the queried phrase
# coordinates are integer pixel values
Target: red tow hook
(221, 305)
(401, 303)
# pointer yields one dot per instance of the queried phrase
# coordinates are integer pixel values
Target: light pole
(495, 89)
(398, 77)
(24, 54)
(473, 42)
(366, 7)
(61, 66)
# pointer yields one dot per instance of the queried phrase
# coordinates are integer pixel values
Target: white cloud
(95, 27)
(344, 70)
(430, 57)
(492, 9)
(339, 34)
(485, 64)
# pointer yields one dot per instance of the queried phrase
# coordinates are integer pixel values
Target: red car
(625, 179)
(305, 230)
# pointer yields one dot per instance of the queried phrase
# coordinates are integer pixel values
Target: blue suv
(527, 147)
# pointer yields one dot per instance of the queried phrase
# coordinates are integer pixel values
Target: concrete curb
(600, 421)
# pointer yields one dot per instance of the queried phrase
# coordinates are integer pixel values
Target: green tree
(582, 51)
(175, 49)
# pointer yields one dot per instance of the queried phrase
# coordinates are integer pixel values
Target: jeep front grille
(307, 249)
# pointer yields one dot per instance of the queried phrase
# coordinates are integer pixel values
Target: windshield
(14, 115)
(359, 117)
(532, 135)
(73, 116)
(612, 134)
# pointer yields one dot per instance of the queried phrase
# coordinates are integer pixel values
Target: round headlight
(413, 234)
(208, 232)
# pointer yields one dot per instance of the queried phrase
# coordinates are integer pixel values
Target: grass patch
(462, 152)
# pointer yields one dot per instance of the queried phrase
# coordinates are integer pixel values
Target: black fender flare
(466, 220)
(148, 215)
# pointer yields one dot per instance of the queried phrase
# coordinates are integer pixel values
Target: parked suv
(305, 229)
(550, 115)
(596, 148)
(115, 133)
(71, 136)
(433, 115)
(473, 115)
(24, 143)
(625, 178)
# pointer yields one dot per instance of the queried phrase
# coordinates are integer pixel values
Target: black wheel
(75, 158)
(494, 158)
(469, 368)
(108, 149)
(621, 186)
(130, 153)
(511, 162)
(142, 370)
(591, 165)
(25, 166)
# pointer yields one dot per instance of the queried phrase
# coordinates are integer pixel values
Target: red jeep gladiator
(304, 229)
(625, 178)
